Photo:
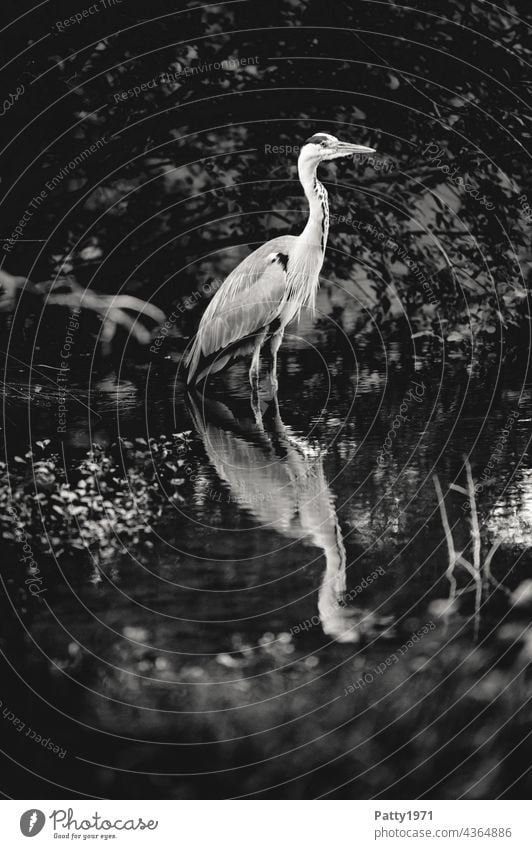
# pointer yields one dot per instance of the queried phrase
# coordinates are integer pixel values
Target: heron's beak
(346, 149)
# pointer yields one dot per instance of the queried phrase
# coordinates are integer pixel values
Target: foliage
(105, 503)
(443, 721)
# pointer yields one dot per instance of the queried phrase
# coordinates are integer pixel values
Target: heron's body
(271, 286)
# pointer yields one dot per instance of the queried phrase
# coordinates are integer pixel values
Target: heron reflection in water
(279, 479)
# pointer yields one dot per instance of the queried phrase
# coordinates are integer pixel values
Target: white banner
(267, 824)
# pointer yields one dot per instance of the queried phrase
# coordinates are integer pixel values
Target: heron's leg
(254, 379)
(256, 406)
(254, 369)
(275, 344)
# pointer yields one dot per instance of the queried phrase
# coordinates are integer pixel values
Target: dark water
(307, 539)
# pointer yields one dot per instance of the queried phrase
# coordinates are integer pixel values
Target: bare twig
(475, 528)
(113, 310)
(479, 570)
(453, 555)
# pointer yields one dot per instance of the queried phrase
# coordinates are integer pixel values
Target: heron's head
(322, 147)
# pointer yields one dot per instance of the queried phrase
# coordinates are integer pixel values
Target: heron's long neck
(317, 227)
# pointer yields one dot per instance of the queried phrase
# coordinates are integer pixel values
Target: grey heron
(271, 286)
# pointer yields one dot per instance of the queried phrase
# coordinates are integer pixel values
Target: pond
(285, 616)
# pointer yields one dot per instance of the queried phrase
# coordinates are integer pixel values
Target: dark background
(182, 186)
(184, 179)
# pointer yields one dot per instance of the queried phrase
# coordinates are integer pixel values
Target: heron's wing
(246, 303)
